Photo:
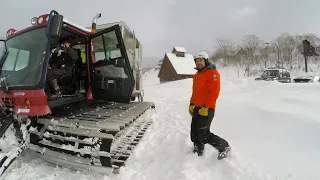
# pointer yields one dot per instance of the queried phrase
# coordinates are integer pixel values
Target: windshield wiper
(3, 57)
(4, 81)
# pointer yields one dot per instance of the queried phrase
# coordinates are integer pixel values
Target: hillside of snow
(274, 130)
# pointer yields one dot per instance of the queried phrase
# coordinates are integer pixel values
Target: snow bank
(150, 78)
(8, 140)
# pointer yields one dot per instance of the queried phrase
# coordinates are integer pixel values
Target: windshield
(272, 73)
(22, 66)
(2, 48)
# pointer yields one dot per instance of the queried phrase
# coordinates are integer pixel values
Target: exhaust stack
(94, 23)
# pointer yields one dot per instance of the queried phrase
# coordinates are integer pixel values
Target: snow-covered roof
(183, 65)
(121, 24)
(276, 69)
(180, 49)
(77, 26)
(107, 25)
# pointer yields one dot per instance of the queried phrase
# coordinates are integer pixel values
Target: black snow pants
(63, 74)
(200, 131)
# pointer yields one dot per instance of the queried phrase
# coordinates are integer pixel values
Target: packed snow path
(274, 130)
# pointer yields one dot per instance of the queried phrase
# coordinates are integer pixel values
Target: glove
(191, 107)
(203, 111)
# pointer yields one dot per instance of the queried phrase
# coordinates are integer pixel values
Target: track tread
(119, 128)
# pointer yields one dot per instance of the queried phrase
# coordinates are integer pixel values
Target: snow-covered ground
(274, 130)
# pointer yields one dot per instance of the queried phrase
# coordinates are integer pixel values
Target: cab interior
(78, 84)
(112, 78)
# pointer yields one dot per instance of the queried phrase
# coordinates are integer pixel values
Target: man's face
(64, 46)
(200, 63)
(67, 44)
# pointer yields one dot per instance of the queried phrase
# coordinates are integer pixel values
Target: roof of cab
(77, 26)
(107, 25)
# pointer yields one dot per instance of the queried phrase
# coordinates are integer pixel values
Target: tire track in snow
(234, 167)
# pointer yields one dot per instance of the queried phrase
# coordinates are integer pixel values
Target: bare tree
(250, 52)
(287, 45)
(311, 37)
(250, 44)
(239, 58)
(226, 48)
(265, 54)
(159, 63)
(297, 57)
(215, 56)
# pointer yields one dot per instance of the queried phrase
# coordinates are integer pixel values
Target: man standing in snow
(205, 92)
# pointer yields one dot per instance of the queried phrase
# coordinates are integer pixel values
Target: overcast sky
(162, 24)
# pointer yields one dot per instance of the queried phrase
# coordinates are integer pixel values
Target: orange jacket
(206, 87)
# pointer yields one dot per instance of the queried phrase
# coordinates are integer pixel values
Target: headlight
(40, 20)
(34, 20)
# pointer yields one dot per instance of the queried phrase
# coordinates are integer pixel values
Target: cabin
(177, 65)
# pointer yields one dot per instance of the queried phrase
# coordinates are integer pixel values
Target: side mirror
(119, 62)
(55, 28)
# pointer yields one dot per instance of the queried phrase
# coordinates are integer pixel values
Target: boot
(201, 149)
(223, 154)
(195, 148)
(198, 148)
(55, 89)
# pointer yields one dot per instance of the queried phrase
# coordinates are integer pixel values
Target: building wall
(168, 73)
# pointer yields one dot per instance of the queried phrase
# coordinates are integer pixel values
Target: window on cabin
(179, 54)
(107, 49)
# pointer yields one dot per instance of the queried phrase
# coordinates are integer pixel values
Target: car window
(286, 74)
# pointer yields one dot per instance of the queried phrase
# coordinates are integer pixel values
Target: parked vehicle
(309, 77)
(274, 74)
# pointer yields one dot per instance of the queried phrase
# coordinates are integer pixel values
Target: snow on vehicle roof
(77, 26)
(306, 74)
(275, 69)
(120, 23)
(180, 49)
(183, 65)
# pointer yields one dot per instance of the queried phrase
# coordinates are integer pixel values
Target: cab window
(20, 57)
(106, 48)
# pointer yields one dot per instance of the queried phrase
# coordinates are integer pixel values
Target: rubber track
(98, 138)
